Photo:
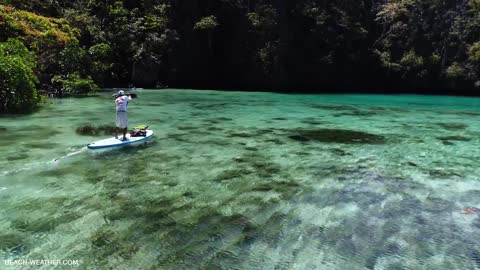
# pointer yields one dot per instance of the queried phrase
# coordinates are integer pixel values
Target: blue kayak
(112, 142)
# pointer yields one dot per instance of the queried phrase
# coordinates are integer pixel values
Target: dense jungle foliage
(317, 45)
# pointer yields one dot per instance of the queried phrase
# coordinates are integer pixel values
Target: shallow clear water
(237, 180)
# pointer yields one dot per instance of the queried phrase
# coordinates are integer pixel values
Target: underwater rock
(266, 169)
(91, 130)
(382, 250)
(437, 205)
(44, 224)
(474, 255)
(250, 233)
(424, 248)
(454, 138)
(390, 228)
(273, 229)
(188, 194)
(102, 237)
(211, 121)
(441, 173)
(18, 156)
(240, 135)
(214, 129)
(263, 187)
(339, 152)
(391, 249)
(236, 219)
(337, 136)
(275, 141)
(379, 108)
(56, 172)
(10, 240)
(193, 114)
(356, 113)
(413, 164)
(314, 232)
(38, 145)
(452, 126)
(86, 130)
(371, 261)
(260, 132)
(95, 175)
(334, 107)
(36, 128)
(312, 121)
(286, 188)
(231, 174)
(106, 243)
(299, 138)
(223, 119)
(469, 113)
(346, 247)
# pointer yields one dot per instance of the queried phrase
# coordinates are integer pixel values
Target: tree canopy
(313, 45)
(17, 80)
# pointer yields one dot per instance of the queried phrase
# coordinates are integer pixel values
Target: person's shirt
(122, 103)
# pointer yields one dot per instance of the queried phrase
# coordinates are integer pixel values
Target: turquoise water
(236, 180)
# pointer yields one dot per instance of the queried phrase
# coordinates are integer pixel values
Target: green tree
(100, 62)
(74, 58)
(76, 85)
(207, 24)
(264, 43)
(263, 22)
(17, 79)
(455, 71)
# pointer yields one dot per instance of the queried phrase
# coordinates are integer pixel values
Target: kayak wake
(70, 154)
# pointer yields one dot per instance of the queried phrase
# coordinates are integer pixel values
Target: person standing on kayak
(121, 103)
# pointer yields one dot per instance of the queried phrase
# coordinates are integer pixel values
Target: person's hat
(120, 93)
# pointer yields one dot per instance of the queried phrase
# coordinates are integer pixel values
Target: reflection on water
(247, 180)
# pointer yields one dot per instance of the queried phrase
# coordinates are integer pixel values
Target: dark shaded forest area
(427, 46)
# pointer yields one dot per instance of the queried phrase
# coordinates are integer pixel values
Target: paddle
(132, 95)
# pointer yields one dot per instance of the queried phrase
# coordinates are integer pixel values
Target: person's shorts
(122, 120)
